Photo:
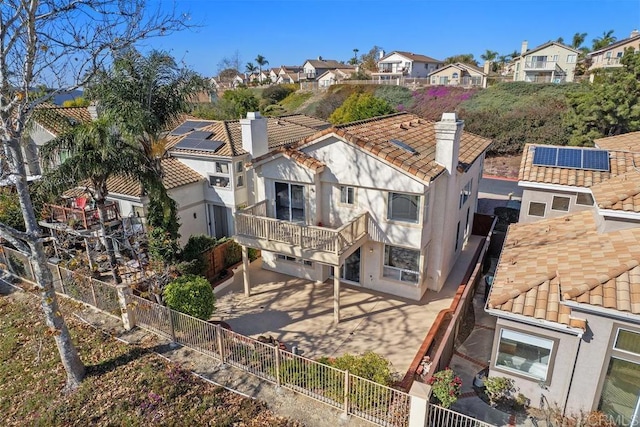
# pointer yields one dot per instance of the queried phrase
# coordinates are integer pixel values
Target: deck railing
(252, 222)
(86, 217)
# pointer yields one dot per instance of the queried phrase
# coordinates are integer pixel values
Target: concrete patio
(300, 313)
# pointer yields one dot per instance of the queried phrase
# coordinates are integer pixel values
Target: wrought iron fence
(439, 416)
(354, 395)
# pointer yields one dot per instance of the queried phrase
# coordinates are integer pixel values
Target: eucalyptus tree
(57, 44)
(94, 152)
(144, 96)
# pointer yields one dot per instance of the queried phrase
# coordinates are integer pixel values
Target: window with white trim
(465, 193)
(571, 58)
(585, 199)
(560, 203)
(305, 262)
(401, 264)
(239, 174)
(403, 207)
(347, 195)
(221, 176)
(537, 208)
(525, 354)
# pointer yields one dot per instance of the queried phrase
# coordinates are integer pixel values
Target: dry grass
(125, 385)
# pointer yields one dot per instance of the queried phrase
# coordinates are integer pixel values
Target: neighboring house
(459, 74)
(332, 77)
(385, 203)
(610, 56)
(272, 74)
(566, 294)
(559, 180)
(400, 64)
(551, 62)
(314, 68)
(48, 122)
(625, 142)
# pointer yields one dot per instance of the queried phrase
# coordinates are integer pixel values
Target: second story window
(239, 174)
(347, 195)
(221, 176)
(403, 207)
(465, 193)
(571, 59)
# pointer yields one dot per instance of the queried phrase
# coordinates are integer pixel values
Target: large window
(537, 208)
(403, 207)
(524, 354)
(620, 397)
(221, 176)
(401, 264)
(560, 203)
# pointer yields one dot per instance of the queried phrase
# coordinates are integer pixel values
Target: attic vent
(403, 146)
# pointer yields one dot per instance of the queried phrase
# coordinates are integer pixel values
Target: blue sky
(289, 32)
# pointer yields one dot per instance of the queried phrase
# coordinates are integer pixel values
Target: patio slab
(300, 313)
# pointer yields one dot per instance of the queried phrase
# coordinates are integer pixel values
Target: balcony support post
(336, 294)
(245, 271)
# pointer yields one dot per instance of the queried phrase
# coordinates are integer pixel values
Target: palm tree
(578, 39)
(250, 68)
(354, 60)
(605, 40)
(514, 54)
(144, 96)
(261, 61)
(490, 56)
(96, 153)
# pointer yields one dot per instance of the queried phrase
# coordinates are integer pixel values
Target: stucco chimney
(524, 48)
(381, 53)
(634, 33)
(448, 134)
(254, 134)
(486, 67)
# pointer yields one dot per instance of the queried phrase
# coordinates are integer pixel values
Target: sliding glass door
(290, 202)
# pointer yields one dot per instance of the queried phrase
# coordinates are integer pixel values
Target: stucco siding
(537, 195)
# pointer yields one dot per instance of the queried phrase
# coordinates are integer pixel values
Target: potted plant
(445, 386)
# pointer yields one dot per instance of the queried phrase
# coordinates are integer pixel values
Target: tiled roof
(619, 193)
(57, 119)
(460, 66)
(412, 56)
(373, 135)
(565, 259)
(625, 142)
(303, 159)
(176, 174)
(547, 44)
(620, 162)
(328, 63)
(280, 131)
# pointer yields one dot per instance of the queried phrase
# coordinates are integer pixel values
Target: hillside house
(551, 62)
(399, 64)
(314, 68)
(459, 74)
(610, 56)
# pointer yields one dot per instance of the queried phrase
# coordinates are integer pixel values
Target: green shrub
(232, 254)
(162, 247)
(368, 365)
(445, 386)
(192, 254)
(498, 389)
(10, 213)
(253, 254)
(360, 106)
(277, 93)
(295, 100)
(17, 266)
(190, 295)
(398, 97)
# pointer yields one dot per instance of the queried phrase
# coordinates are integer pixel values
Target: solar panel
(403, 146)
(188, 126)
(570, 158)
(210, 145)
(188, 144)
(545, 156)
(199, 134)
(574, 158)
(596, 160)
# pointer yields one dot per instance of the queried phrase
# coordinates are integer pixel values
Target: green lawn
(125, 385)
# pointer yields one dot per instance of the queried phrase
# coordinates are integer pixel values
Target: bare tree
(231, 62)
(59, 45)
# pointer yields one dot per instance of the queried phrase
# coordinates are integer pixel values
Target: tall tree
(603, 41)
(369, 60)
(610, 106)
(354, 60)
(577, 40)
(490, 57)
(465, 58)
(58, 44)
(144, 96)
(250, 68)
(261, 61)
(95, 153)
(233, 61)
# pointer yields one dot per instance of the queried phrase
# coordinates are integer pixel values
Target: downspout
(573, 371)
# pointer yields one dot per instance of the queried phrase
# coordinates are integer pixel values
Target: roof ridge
(373, 119)
(603, 278)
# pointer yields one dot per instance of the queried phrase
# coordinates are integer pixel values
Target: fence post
(173, 329)
(419, 404)
(346, 393)
(61, 280)
(277, 365)
(219, 339)
(93, 292)
(127, 314)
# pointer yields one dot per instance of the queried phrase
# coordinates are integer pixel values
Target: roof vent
(403, 146)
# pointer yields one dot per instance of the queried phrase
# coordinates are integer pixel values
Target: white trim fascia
(608, 312)
(618, 214)
(558, 187)
(128, 198)
(547, 324)
(180, 155)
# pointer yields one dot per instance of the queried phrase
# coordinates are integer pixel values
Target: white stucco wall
(530, 194)
(191, 210)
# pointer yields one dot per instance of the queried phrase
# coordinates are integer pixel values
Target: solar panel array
(197, 140)
(573, 158)
(188, 126)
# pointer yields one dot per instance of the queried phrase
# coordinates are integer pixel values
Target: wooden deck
(79, 218)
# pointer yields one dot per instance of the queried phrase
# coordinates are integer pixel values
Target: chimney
(319, 58)
(93, 111)
(448, 134)
(634, 33)
(381, 53)
(524, 48)
(254, 134)
(486, 67)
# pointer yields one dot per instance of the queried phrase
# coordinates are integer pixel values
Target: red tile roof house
(386, 203)
(566, 290)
